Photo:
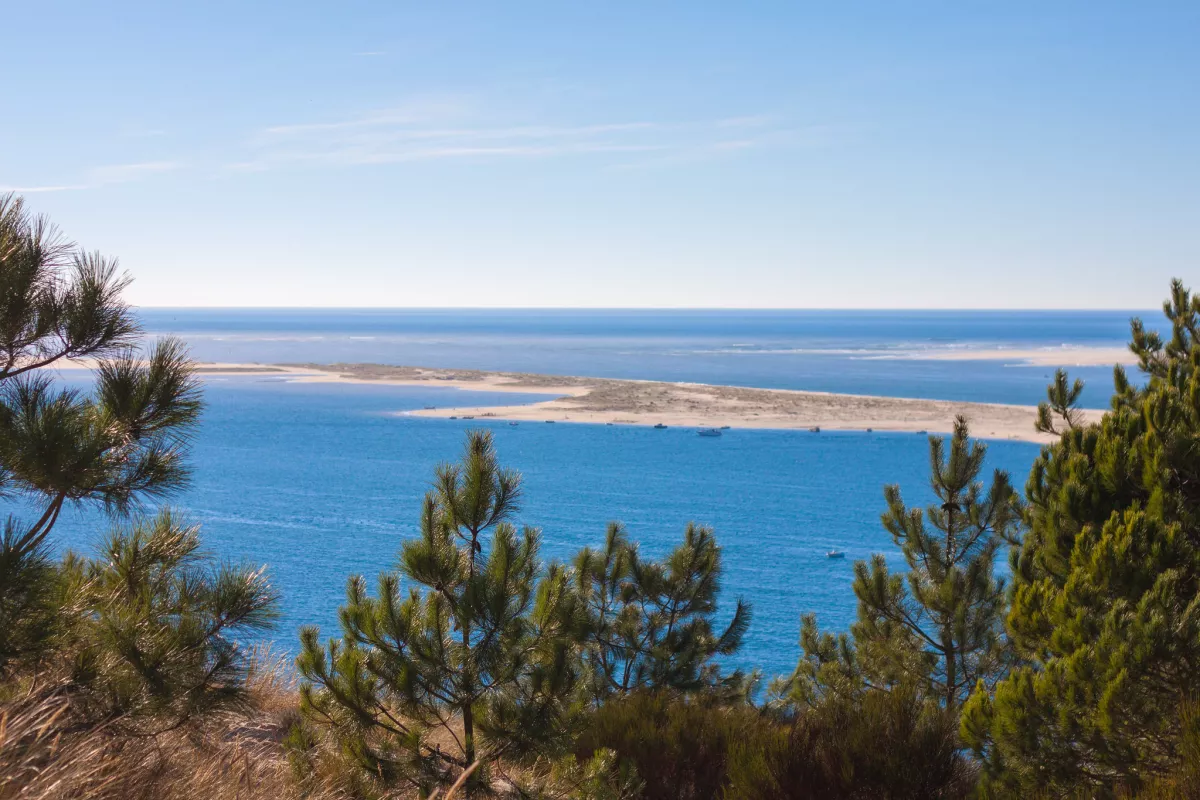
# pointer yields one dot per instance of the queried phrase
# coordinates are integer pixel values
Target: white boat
(709, 432)
(514, 424)
(835, 554)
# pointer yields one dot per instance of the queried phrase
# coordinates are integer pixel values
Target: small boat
(430, 408)
(870, 430)
(453, 417)
(608, 423)
(709, 432)
(724, 427)
(513, 424)
(468, 416)
(659, 426)
(815, 429)
(835, 554)
(550, 422)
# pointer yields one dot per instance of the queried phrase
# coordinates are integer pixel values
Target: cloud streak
(438, 132)
(102, 176)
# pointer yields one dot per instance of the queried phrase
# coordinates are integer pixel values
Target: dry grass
(48, 753)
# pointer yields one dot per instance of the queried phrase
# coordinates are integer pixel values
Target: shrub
(891, 745)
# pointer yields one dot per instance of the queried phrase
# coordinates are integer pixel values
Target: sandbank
(632, 402)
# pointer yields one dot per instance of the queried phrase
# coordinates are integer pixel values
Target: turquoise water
(319, 481)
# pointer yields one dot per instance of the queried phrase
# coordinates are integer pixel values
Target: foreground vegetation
(478, 669)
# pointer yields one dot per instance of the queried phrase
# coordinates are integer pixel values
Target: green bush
(885, 745)
(890, 745)
(679, 746)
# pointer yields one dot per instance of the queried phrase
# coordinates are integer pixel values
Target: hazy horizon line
(662, 309)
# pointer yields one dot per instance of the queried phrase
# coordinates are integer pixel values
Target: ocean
(320, 481)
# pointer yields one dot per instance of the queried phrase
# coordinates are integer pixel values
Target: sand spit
(603, 400)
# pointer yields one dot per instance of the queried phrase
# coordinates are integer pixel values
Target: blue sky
(809, 155)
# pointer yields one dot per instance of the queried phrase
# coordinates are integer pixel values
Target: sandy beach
(629, 402)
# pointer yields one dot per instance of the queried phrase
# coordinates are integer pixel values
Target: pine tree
(158, 642)
(479, 648)
(1062, 402)
(650, 623)
(938, 628)
(1106, 601)
(116, 448)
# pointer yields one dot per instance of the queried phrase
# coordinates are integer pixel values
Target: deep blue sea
(319, 481)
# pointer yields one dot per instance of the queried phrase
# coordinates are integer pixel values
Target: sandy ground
(600, 400)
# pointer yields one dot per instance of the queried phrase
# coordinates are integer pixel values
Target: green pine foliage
(474, 651)
(30, 592)
(117, 447)
(1060, 411)
(470, 661)
(1106, 607)
(157, 638)
(145, 636)
(939, 627)
(56, 301)
(651, 623)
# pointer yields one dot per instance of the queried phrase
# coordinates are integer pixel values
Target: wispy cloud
(123, 173)
(102, 176)
(442, 130)
(66, 187)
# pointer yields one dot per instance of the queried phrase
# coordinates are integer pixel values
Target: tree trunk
(469, 737)
(951, 670)
(468, 714)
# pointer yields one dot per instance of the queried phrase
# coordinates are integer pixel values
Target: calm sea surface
(319, 481)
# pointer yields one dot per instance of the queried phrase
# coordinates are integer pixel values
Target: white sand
(600, 400)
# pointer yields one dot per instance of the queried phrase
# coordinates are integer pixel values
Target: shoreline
(640, 402)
